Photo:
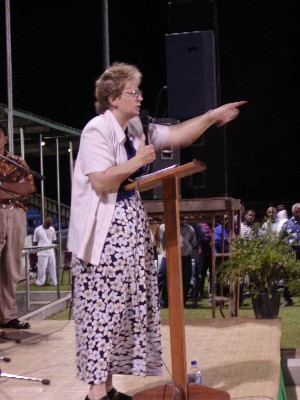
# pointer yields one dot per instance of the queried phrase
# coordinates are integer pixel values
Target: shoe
(113, 394)
(287, 303)
(16, 324)
(102, 398)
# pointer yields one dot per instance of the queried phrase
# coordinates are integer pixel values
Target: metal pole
(9, 78)
(58, 183)
(27, 264)
(42, 173)
(22, 142)
(105, 41)
(59, 216)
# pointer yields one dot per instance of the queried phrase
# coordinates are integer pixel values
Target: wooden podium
(179, 389)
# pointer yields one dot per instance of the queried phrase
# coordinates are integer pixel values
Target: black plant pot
(266, 307)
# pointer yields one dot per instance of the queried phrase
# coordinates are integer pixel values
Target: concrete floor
(47, 352)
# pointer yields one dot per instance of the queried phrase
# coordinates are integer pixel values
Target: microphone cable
(158, 98)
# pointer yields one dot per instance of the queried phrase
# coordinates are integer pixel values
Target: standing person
(116, 305)
(203, 235)
(272, 221)
(291, 230)
(281, 212)
(162, 270)
(187, 243)
(241, 214)
(44, 235)
(247, 225)
(223, 239)
(15, 185)
(222, 236)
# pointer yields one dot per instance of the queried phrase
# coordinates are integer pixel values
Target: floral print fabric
(116, 305)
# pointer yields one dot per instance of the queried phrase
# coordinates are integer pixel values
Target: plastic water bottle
(194, 373)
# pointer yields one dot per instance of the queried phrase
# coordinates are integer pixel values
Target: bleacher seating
(34, 219)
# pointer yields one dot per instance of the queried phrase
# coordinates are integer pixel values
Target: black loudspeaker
(212, 182)
(191, 73)
(192, 91)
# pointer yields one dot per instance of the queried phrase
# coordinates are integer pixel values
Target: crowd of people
(276, 220)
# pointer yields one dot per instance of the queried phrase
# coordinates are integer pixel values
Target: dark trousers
(162, 282)
(205, 265)
(186, 279)
(287, 295)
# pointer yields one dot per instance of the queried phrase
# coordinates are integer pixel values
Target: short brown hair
(112, 82)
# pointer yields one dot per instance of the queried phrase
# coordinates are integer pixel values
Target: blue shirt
(218, 239)
(292, 229)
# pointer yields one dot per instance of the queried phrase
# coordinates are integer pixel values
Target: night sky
(57, 55)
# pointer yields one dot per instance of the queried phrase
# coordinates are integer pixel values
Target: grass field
(64, 286)
(290, 337)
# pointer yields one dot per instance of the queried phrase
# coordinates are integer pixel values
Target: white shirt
(245, 230)
(44, 237)
(270, 225)
(101, 147)
(281, 223)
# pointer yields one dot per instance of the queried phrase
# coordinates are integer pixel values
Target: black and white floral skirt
(116, 305)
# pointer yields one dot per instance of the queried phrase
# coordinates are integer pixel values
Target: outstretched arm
(185, 133)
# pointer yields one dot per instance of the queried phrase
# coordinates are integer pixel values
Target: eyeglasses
(134, 93)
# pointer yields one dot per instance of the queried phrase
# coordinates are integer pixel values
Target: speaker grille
(191, 73)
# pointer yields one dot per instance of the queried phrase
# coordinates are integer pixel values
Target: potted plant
(266, 260)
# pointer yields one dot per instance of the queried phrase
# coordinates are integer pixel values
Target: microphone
(145, 120)
(36, 174)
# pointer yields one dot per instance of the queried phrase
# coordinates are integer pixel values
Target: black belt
(8, 204)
